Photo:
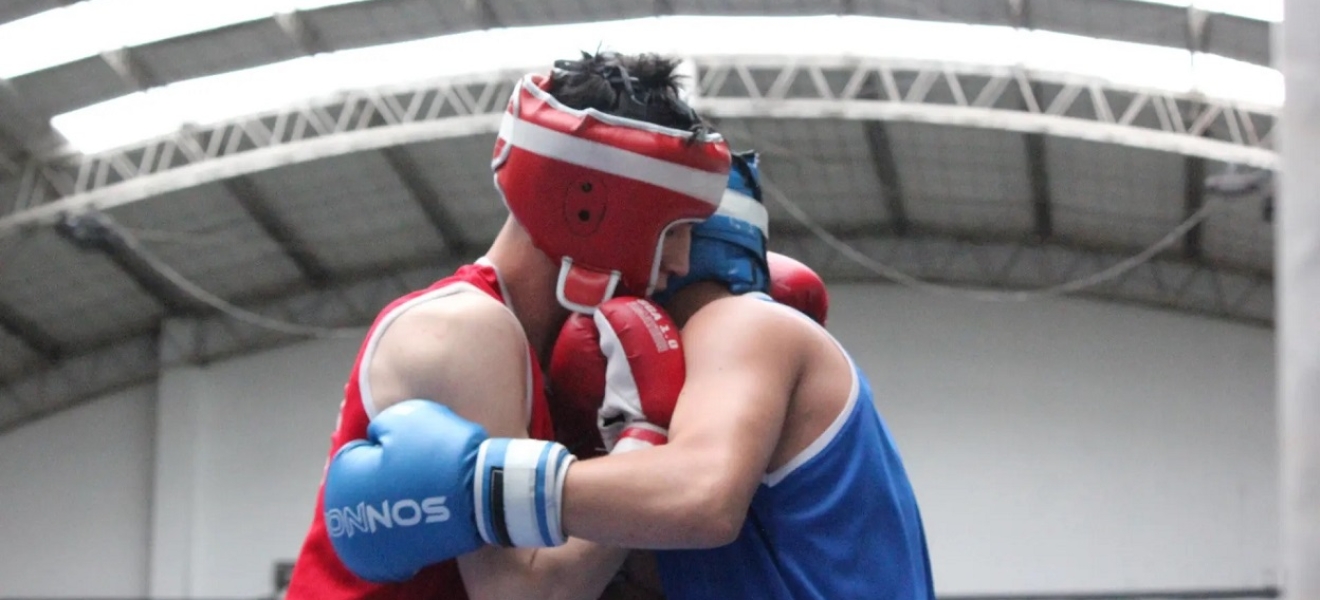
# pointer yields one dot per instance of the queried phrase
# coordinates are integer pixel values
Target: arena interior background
(1047, 225)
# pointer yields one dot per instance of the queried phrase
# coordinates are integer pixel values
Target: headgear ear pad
(730, 246)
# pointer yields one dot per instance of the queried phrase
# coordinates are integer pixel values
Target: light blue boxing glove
(427, 486)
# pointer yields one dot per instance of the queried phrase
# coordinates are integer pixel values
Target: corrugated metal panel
(987, 12)
(963, 179)
(210, 240)
(516, 13)
(1242, 39)
(822, 165)
(1240, 230)
(759, 7)
(459, 170)
(1112, 195)
(67, 87)
(352, 211)
(13, 10)
(370, 23)
(79, 297)
(1112, 19)
(218, 51)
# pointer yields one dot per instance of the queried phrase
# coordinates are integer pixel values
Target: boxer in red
(603, 169)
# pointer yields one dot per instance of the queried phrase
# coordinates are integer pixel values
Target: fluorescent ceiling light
(67, 34)
(212, 99)
(91, 27)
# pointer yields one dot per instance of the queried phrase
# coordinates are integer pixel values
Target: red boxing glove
(577, 386)
(644, 373)
(795, 284)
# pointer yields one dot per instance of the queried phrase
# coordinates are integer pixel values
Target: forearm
(659, 498)
(577, 570)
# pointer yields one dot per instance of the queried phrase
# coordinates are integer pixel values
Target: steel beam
(1194, 168)
(1126, 115)
(886, 170)
(25, 8)
(126, 65)
(883, 163)
(343, 310)
(340, 311)
(30, 333)
(428, 199)
(1007, 269)
(486, 15)
(301, 33)
(12, 154)
(257, 143)
(1194, 174)
(1042, 201)
(957, 260)
(89, 375)
(26, 128)
(458, 106)
(244, 191)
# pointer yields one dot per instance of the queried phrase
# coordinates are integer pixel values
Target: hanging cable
(900, 277)
(220, 304)
(985, 295)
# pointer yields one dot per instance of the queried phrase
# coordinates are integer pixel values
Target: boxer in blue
(829, 511)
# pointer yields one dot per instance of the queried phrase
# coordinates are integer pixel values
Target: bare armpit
(638, 579)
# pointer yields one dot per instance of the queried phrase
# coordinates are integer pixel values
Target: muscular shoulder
(747, 313)
(454, 320)
(465, 350)
(750, 327)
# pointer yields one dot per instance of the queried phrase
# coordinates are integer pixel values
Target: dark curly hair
(641, 86)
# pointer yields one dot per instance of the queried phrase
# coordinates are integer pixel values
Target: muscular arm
(743, 360)
(469, 353)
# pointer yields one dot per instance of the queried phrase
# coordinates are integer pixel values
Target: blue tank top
(837, 522)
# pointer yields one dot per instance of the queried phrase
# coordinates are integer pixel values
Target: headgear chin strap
(729, 247)
(597, 192)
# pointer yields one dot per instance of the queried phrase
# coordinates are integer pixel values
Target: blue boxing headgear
(730, 245)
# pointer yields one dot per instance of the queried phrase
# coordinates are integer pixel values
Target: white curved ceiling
(91, 27)
(207, 100)
(323, 243)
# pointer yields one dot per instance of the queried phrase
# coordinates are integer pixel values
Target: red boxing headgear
(597, 192)
(795, 284)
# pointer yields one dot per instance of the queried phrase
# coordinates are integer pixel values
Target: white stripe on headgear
(746, 208)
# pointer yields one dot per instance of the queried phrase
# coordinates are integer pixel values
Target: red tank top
(318, 574)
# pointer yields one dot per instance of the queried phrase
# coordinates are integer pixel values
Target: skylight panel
(91, 27)
(220, 97)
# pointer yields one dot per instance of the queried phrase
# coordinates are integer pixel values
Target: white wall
(238, 477)
(1074, 445)
(1055, 446)
(75, 501)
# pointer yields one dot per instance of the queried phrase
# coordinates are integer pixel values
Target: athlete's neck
(687, 301)
(529, 278)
